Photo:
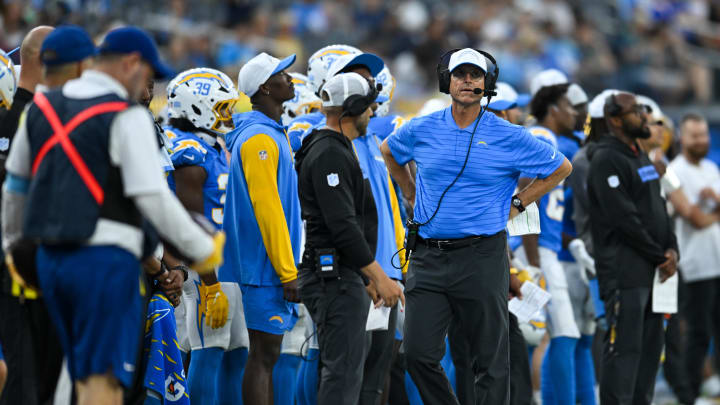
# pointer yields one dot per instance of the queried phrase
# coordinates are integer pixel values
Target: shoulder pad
(299, 127)
(188, 152)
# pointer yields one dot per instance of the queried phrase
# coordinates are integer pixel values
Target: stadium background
(666, 49)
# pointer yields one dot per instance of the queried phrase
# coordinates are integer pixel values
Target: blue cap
(502, 105)
(133, 39)
(523, 100)
(66, 44)
(284, 64)
(373, 62)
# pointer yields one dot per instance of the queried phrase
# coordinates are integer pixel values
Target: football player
(200, 106)
(318, 66)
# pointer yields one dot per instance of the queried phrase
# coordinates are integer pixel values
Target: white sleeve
(134, 149)
(670, 181)
(171, 220)
(13, 213)
(18, 161)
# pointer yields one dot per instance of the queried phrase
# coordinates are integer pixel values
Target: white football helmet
(386, 94)
(320, 62)
(8, 80)
(305, 100)
(206, 97)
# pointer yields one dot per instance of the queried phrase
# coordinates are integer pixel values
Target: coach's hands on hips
(669, 267)
(290, 291)
(215, 259)
(214, 304)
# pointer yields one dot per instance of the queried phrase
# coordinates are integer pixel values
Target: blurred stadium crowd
(667, 49)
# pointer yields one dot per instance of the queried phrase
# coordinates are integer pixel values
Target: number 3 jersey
(551, 205)
(190, 149)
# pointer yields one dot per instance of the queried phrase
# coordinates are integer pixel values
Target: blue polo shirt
(479, 202)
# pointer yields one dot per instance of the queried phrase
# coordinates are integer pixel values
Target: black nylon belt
(451, 244)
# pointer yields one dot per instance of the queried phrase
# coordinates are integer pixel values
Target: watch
(517, 203)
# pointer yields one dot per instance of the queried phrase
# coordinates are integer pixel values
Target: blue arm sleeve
(17, 184)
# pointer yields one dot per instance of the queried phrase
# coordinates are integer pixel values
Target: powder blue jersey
(569, 147)
(196, 150)
(301, 126)
(552, 204)
(382, 127)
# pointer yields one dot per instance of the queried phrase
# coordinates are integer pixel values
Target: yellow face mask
(223, 113)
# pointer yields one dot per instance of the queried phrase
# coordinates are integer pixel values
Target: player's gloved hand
(580, 254)
(215, 304)
(216, 257)
(518, 264)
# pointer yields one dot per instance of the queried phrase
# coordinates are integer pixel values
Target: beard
(636, 132)
(698, 152)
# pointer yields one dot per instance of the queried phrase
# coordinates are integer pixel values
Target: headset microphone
(477, 90)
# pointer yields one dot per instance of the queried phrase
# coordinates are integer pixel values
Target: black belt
(452, 244)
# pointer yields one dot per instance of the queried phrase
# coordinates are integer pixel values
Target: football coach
(468, 164)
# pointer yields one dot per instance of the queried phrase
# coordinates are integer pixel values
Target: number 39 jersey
(189, 149)
(552, 204)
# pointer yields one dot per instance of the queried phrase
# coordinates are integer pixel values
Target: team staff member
(89, 233)
(504, 105)
(341, 222)
(460, 268)
(262, 219)
(64, 54)
(632, 235)
(18, 307)
(700, 267)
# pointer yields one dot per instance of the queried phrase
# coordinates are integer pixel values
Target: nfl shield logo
(333, 179)
(263, 155)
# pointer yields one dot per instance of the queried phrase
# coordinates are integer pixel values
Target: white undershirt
(699, 248)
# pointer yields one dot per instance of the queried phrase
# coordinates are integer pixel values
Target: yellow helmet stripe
(333, 51)
(200, 75)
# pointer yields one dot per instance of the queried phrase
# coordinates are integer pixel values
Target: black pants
(32, 351)
(339, 308)
(520, 380)
(379, 345)
(631, 360)
(675, 365)
(470, 286)
(702, 313)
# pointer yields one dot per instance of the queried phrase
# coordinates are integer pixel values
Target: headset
(614, 109)
(356, 104)
(491, 76)
(413, 227)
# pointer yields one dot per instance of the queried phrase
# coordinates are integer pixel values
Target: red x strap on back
(61, 136)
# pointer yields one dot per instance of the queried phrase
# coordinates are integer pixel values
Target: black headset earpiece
(491, 76)
(356, 104)
(614, 109)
